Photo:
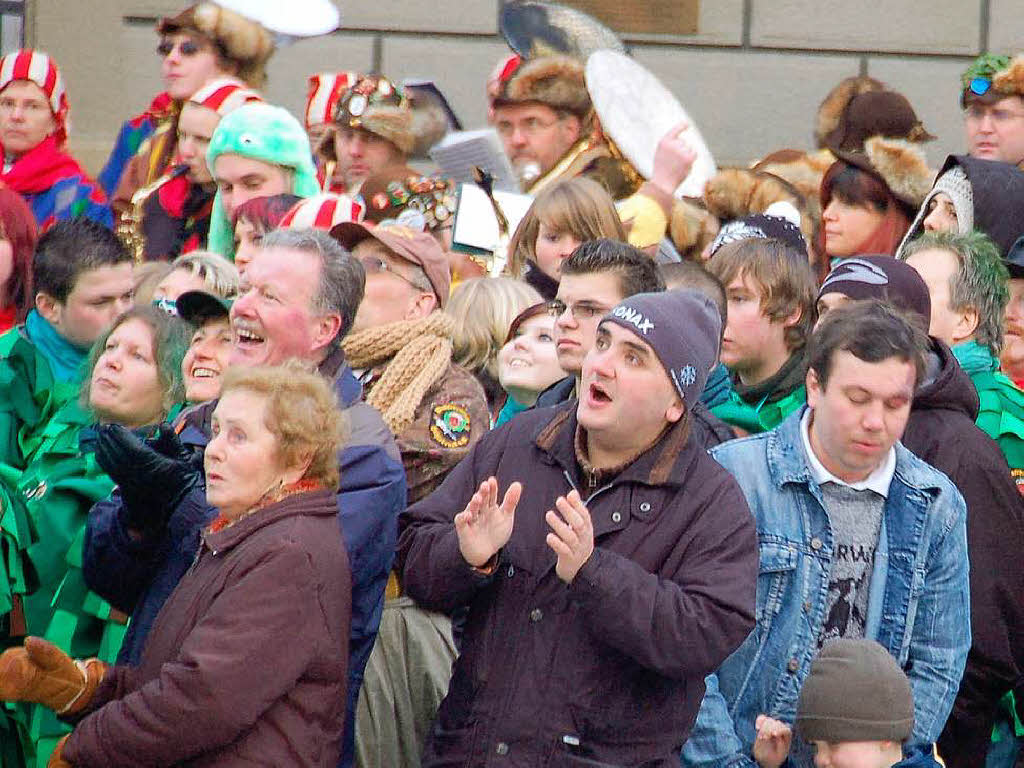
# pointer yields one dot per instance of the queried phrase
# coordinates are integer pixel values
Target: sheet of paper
(476, 226)
(458, 152)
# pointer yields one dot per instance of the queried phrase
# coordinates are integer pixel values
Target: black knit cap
(880, 277)
(763, 226)
(1015, 259)
(683, 329)
(855, 692)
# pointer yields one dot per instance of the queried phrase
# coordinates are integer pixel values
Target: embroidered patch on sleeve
(450, 427)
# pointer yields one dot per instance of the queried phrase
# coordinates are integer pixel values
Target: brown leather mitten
(41, 672)
(57, 758)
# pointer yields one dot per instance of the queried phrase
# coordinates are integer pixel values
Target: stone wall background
(752, 77)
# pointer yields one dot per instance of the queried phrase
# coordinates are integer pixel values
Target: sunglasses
(187, 48)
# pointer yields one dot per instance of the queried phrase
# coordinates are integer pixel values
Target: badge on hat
(451, 426)
(357, 105)
(980, 85)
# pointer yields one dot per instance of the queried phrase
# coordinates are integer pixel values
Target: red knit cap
(225, 95)
(325, 91)
(322, 212)
(40, 69)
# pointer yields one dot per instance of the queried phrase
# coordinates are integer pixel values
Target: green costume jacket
(761, 417)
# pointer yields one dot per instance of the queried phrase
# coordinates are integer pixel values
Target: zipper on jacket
(593, 493)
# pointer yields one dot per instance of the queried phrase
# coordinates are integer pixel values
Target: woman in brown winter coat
(246, 663)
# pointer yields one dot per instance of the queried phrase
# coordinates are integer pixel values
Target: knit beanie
(40, 69)
(261, 132)
(224, 95)
(957, 186)
(880, 277)
(764, 226)
(855, 692)
(683, 329)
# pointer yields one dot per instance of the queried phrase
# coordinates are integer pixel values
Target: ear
(814, 390)
(327, 328)
(297, 472)
(675, 411)
(420, 306)
(572, 128)
(966, 324)
(49, 308)
(793, 317)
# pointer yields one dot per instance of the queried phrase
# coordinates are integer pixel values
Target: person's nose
(829, 213)
(873, 417)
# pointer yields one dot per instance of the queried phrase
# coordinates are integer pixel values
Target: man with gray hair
(298, 299)
(967, 282)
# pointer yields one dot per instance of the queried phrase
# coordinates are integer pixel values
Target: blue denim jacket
(918, 604)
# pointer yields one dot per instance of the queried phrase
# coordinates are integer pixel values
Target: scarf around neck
(41, 168)
(788, 378)
(64, 357)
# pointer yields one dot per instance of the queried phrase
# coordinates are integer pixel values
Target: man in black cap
(591, 625)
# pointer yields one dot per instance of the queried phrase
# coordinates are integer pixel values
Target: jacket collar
(311, 503)
(335, 368)
(787, 462)
(665, 463)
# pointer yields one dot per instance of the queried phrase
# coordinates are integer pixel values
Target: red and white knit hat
(322, 212)
(40, 69)
(225, 95)
(325, 91)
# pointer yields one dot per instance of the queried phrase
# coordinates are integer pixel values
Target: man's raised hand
(572, 535)
(484, 526)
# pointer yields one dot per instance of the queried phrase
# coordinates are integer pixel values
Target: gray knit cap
(683, 328)
(953, 182)
(856, 692)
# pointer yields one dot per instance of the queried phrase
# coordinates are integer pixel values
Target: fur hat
(691, 228)
(1011, 80)
(241, 40)
(901, 165)
(377, 105)
(40, 69)
(734, 193)
(876, 113)
(831, 111)
(555, 81)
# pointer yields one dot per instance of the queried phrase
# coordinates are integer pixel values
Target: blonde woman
(564, 215)
(483, 309)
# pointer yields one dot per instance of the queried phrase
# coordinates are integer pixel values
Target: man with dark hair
(591, 628)
(941, 430)
(993, 102)
(82, 279)
(299, 296)
(859, 538)
(770, 291)
(967, 283)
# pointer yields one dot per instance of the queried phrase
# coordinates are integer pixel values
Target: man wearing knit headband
(33, 130)
(858, 537)
(607, 563)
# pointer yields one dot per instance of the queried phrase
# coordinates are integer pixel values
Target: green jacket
(1002, 404)
(761, 417)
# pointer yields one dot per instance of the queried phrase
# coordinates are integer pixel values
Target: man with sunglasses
(993, 104)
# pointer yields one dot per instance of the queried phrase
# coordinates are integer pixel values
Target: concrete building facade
(751, 77)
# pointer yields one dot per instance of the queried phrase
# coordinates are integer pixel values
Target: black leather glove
(153, 475)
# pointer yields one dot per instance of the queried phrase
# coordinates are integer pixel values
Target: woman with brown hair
(270, 586)
(564, 215)
(18, 235)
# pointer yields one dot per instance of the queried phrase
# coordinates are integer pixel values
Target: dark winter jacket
(138, 576)
(246, 663)
(941, 430)
(611, 667)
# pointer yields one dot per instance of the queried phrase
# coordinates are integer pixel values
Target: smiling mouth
(246, 339)
(519, 363)
(200, 372)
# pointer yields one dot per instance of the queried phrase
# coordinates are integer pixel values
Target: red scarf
(40, 168)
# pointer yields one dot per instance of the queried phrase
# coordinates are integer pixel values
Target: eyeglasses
(976, 113)
(375, 265)
(583, 310)
(187, 48)
(531, 126)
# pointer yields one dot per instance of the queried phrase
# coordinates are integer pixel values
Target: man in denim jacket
(857, 536)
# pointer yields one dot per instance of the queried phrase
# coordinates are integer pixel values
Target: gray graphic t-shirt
(856, 518)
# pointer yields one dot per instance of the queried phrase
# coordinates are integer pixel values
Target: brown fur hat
(831, 111)
(556, 81)
(244, 42)
(902, 166)
(733, 193)
(1011, 80)
(376, 105)
(691, 228)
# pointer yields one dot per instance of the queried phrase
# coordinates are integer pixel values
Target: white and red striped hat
(225, 95)
(40, 69)
(322, 212)
(325, 91)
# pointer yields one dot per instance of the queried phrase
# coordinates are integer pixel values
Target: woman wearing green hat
(258, 150)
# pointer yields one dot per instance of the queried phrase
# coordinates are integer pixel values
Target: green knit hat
(261, 132)
(977, 78)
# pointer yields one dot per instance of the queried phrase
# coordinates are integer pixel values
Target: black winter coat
(609, 670)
